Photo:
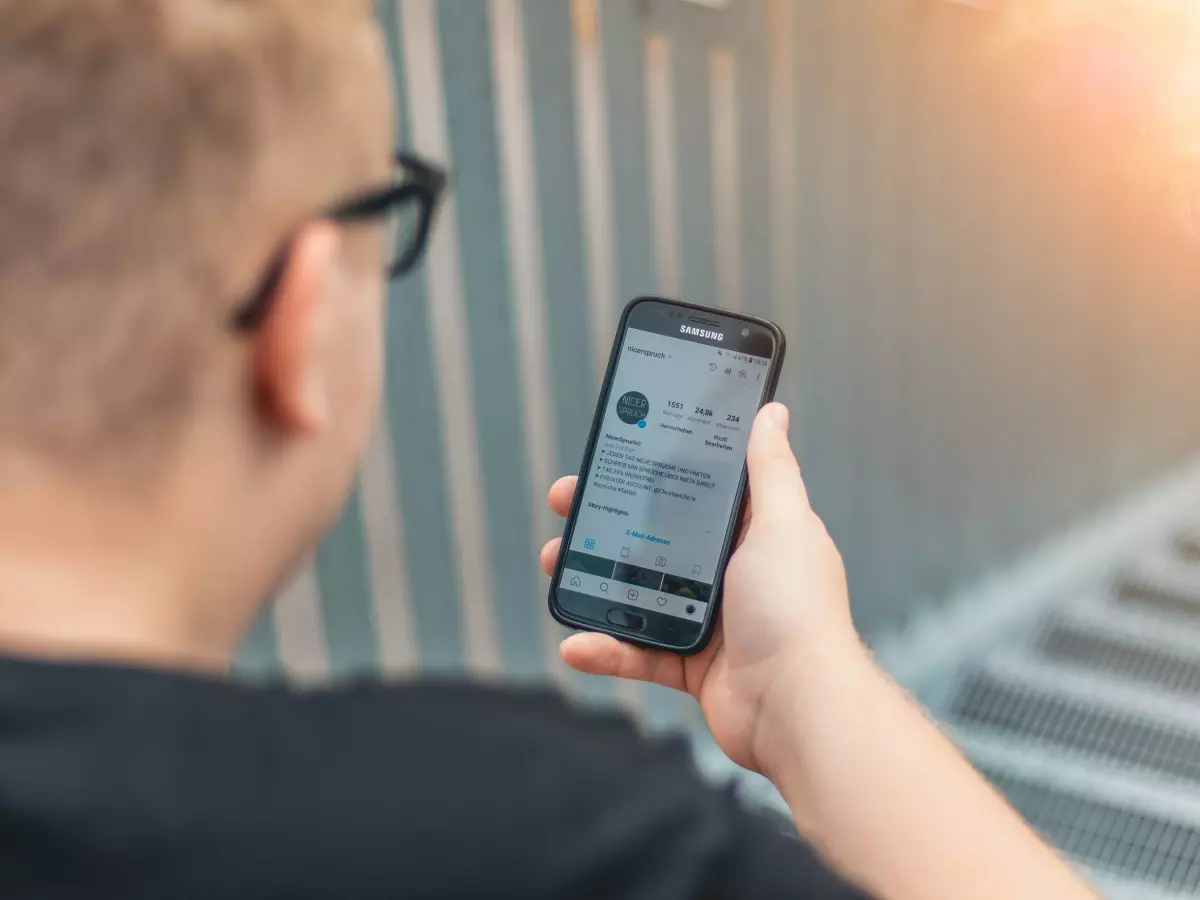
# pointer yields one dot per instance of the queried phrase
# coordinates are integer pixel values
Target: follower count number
(702, 411)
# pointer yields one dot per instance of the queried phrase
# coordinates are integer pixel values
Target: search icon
(604, 587)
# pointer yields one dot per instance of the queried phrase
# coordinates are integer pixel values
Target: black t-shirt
(119, 782)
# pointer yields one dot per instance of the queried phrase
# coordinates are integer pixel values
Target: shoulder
(500, 730)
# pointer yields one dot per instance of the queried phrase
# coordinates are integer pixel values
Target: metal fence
(989, 335)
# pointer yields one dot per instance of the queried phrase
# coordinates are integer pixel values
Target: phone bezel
(701, 640)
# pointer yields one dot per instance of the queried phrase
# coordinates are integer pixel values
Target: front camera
(745, 332)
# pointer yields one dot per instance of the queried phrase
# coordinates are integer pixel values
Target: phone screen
(665, 475)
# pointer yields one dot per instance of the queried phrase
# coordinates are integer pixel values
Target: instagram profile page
(668, 462)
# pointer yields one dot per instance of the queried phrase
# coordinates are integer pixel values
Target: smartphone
(663, 482)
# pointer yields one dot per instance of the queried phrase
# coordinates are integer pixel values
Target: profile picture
(632, 408)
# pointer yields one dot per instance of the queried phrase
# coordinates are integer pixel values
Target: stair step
(1116, 736)
(1159, 596)
(1108, 837)
(1187, 545)
(1172, 669)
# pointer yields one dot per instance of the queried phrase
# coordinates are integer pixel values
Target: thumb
(601, 654)
(776, 488)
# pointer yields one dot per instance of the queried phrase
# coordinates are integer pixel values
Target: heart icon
(662, 601)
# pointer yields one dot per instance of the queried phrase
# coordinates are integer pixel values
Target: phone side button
(622, 619)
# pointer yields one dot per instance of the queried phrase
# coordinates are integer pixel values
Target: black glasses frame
(424, 183)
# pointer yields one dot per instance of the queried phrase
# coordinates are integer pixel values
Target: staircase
(1073, 683)
(1089, 721)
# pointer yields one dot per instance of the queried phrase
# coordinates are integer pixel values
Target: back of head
(155, 154)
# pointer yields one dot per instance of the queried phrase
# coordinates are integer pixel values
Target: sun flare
(1135, 62)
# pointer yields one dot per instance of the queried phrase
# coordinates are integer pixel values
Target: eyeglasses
(407, 207)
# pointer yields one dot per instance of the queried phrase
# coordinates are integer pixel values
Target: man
(192, 200)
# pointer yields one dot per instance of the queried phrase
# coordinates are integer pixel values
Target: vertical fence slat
(785, 178)
(383, 532)
(412, 400)
(598, 171)
(754, 158)
(449, 320)
(726, 178)
(570, 315)
(662, 152)
(549, 45)
(522, 223)
(492, 343)
(300, 631)
(345, 590)
(693, 166)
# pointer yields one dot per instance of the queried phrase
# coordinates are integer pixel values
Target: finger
(775, 482)
(601, 654)
(561, 493)
(747, 516)
(550, 555)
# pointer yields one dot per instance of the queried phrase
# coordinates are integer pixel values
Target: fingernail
(780, 415)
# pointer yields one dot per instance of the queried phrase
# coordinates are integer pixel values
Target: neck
(88, 574)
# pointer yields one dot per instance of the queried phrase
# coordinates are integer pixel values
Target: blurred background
(974, 223)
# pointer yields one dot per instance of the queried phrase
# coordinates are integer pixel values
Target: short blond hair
(152, 152)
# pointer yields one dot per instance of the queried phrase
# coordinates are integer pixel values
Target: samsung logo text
(700, 332)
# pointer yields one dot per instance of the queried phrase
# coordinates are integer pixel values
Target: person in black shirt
(192, 220)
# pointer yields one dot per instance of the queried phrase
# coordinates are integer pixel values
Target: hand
(785, 604)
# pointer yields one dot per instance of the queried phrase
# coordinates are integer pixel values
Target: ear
(288, 355)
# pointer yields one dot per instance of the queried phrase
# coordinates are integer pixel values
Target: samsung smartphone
(663, 482)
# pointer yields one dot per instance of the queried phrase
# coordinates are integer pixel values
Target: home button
(627, 620)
